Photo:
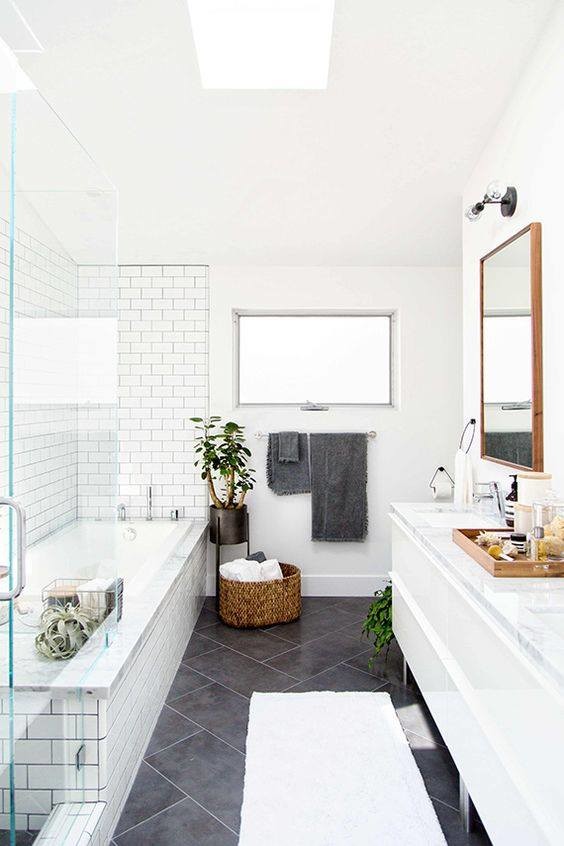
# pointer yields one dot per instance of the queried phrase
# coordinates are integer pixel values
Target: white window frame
(392, 314)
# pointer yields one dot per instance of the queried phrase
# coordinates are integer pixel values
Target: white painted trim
(322, 585)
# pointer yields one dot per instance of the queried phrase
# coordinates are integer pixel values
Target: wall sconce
(504, 196)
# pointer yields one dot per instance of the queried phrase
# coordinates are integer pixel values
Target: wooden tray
(522, 567)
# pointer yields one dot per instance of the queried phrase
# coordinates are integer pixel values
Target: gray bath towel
(288, 447)
(339, 508)
(284, 478)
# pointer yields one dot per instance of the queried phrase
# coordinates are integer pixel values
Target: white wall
(412, 439)
(526, 150)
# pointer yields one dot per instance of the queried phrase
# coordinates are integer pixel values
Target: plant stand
(219, 539)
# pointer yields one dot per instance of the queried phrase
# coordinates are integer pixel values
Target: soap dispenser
(510, 501)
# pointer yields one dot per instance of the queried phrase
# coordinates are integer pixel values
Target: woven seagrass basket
(250, 605)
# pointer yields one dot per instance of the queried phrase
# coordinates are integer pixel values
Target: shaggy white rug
(332, 769)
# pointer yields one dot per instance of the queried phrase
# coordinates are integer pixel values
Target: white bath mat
(332, 769)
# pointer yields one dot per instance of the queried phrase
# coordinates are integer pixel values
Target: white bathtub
(133, 550)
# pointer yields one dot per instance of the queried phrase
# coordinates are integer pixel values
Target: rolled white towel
(271, 571)
(241, 570)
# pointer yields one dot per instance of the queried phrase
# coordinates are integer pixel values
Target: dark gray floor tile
(241, 674)
(340, 678)
(356, 605)
(206, 618)
(412, 712)
(437, 768)
(453, 831)
(185, 681)
(218, 710)
(387, 665)
(150, 794)
(198, 645)
(185, 823)
(209, 603)
(311, 604)
(311, 626)
(209, 771)
(312, 658)
(252, 642)
(23, 838)
(171, 726)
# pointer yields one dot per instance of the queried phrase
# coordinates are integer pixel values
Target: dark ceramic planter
(232, 525)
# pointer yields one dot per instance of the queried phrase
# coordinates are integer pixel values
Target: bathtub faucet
(121, 512)
(149, 503)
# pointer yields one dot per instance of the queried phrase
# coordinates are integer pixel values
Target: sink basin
(553, 618)
(444, 516)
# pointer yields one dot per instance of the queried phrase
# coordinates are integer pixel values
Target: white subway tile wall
(45, 433)
(162, 383)
(94, 444)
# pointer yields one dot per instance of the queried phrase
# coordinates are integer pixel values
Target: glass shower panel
(58, 456)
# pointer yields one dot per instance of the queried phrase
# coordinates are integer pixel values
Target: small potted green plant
(378, 624)
(222, 457)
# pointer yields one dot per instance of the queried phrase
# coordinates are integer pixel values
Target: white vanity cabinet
(501, 716)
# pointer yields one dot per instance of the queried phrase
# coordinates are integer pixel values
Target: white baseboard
(321, 585)
(341, 585)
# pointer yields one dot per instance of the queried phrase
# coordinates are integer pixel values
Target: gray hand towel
(288, 447)
(284, 478)
(339, 508)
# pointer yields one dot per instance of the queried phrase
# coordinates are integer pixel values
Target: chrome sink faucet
(491, 491)
(498, 498)
(149, 515)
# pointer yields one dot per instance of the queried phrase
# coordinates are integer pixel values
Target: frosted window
(332, 359)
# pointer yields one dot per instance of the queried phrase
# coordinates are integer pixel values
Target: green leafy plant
(223, 457)
(64, 629)
(378, 624)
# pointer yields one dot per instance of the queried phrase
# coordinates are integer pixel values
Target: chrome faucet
(491, 491)
(122, 512)
(149, 503)
(498, 498)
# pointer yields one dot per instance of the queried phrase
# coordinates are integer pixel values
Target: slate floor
(189, 787)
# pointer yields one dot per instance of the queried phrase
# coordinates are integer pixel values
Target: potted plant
(378, 623)
(223, 457)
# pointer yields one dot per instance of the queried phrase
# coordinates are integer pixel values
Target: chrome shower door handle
(20, 548)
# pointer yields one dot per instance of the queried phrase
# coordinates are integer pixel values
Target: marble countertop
(95, 670)
(530, 611)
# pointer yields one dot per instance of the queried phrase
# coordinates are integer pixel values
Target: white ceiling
(368, 172)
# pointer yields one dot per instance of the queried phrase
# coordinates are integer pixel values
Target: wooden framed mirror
(511, 351)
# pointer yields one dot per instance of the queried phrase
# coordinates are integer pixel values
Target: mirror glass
(508, 393)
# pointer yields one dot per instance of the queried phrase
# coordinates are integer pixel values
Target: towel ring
(471, 422)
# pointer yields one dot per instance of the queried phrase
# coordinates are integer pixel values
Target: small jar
(548, 513)
(519, 541)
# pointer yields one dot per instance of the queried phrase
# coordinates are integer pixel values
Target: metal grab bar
(20, 548)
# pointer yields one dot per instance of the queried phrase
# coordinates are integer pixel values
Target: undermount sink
(553, 618)
(445, 516)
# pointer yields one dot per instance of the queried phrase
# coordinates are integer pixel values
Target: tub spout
(149, 515)
(121, 512)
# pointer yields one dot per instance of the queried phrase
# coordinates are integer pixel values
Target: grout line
(152, 817)
(168, 701)
(446, 804)
(180, 739)
(217, 737)
(193, 657)
(248, 657)
(428, 739)
(188, 796)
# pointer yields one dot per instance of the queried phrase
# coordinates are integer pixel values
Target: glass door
(60, 591)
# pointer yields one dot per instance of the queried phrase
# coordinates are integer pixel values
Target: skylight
(261, 44)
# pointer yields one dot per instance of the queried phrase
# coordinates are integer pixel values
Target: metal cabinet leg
(467, 809)
(407, 674)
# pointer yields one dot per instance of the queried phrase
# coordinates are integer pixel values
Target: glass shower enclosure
(58, 453)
